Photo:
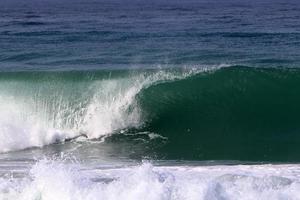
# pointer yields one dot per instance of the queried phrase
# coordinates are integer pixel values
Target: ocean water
(153, 100)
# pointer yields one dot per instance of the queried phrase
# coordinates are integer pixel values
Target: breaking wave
(221, 113)
(40, 108)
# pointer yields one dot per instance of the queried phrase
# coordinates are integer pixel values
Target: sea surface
(154, 100)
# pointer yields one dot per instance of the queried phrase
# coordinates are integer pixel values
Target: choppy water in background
(149, 100)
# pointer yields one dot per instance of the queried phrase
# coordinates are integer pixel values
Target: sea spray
(42, 108)
(55, 179)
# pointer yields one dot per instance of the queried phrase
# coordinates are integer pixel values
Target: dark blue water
(63, 35)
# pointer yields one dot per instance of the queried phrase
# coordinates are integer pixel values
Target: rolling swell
(235, 113)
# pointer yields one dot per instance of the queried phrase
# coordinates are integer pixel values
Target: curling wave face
(219, 113)
(40, 108)
(235, 113)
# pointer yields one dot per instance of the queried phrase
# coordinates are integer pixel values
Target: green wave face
(232, 113)
(235, 113)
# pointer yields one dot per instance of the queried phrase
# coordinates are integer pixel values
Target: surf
(148, 181)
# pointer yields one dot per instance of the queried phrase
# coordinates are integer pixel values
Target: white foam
(37, 114)
(51, 180)
(18, 131)
(114, 106)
